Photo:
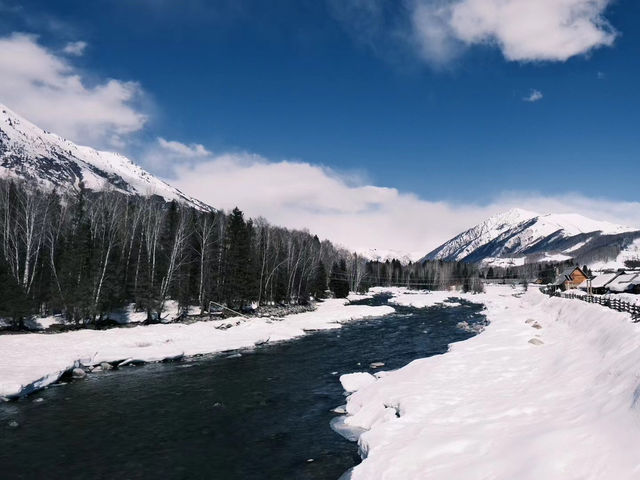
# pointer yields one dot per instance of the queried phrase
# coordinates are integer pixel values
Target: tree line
(427, 274)
(87, 254)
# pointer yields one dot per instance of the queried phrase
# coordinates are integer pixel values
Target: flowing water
(259, 414)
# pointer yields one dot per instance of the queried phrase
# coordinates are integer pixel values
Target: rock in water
(341, 410)
(78, 373)
(106, 366)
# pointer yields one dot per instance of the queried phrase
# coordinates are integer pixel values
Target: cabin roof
(603, 280)
(568, 271)
(565, 276)
(624, 281)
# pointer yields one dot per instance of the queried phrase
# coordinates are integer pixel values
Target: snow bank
(32, 361)
(123, 316)
(354, 297)
(550, 390)
(422, 299)
(624, 297)
(355, 381)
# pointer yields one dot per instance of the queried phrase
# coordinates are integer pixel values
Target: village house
(570, 278)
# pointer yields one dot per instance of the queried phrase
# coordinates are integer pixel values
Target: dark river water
(263, 414)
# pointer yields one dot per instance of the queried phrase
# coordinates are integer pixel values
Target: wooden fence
(611, 302)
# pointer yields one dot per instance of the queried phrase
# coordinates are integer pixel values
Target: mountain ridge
(30, 153)
(520, 236)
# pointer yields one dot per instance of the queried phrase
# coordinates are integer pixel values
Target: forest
(86, 254)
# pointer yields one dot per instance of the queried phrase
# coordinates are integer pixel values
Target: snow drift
(550, 390)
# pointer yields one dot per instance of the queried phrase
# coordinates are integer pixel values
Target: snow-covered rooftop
(603, 280)
(623, 282)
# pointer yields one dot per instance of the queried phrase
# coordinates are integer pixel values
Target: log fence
(610, 302)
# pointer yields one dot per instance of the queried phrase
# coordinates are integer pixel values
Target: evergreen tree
(238, 284)
(319, 286)
(339, 283)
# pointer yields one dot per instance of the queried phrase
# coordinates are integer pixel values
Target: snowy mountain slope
(519, 236)
(32, 154)
(464, 244)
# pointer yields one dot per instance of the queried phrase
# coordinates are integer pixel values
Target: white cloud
(526, 30)
(533, 96)
(523, 30)
(164, 156)
(52, 93)
(195, 150)
(75, 48)
(362, 217)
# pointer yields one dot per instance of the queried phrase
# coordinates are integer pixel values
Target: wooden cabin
(570, 278)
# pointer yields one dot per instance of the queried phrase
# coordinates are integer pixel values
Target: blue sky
(355, 89)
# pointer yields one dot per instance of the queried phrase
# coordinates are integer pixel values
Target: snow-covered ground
(421, 299)
(123, 316)
(29, 362)
(550, 390)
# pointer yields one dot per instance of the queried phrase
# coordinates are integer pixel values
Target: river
(258, 414)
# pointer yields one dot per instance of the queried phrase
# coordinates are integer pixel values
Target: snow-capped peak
(574, 224)
(28, 152)
(514, 215)
(518, 233)
(464, 244)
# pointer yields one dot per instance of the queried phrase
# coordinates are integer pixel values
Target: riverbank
(30, 361)
(549, 390)
(129, 317)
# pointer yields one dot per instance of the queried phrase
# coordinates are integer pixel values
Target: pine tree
(238, 285)
(339, 283)
(319, 286)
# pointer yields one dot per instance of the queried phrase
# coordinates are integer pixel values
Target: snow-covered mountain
(30, 153)
(520, 236)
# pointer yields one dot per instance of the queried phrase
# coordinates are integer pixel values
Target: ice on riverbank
(355, 381)
(31, 361)
(420, 298)
(499, 405)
